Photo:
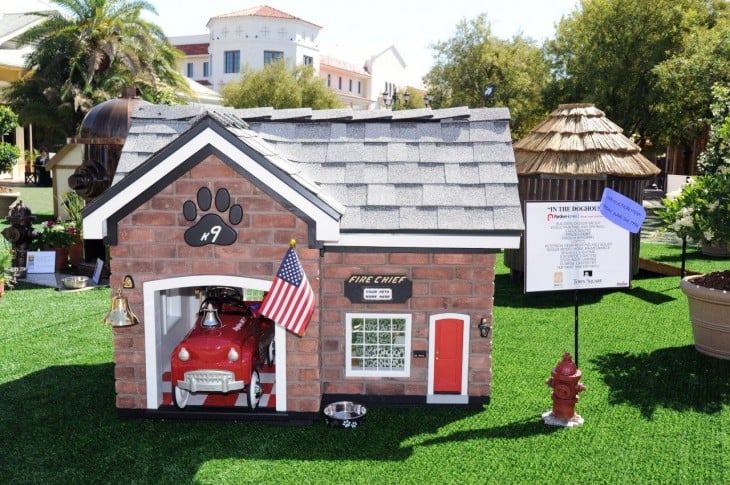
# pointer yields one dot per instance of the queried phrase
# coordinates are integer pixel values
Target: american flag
(290, 300)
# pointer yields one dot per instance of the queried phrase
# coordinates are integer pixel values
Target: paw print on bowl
(211, 228)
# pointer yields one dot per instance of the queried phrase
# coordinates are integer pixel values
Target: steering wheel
(225, 295)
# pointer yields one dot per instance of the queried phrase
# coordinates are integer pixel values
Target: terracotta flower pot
(709, 311)
(76, 253)
(61, 258)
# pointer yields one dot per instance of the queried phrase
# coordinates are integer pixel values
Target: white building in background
(260, 35)
(351, 82)
(388, 72)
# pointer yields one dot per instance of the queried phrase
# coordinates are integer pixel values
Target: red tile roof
(193, 49)
(262, 11)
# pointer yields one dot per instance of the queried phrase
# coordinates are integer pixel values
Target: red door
(449, 346)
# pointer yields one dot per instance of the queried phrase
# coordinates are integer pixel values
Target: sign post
(575, 246)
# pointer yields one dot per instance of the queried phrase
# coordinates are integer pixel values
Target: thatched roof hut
(573, 156)
(578, 140)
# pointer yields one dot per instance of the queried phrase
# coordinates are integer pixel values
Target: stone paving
(650, 230)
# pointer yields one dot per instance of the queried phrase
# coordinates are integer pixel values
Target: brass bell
(211, 318)
(120, 315)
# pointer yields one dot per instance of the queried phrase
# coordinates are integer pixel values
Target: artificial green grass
(694, 259)
(656, 411)
(38, 199)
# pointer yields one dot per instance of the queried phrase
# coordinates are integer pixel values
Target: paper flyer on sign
(571, 245)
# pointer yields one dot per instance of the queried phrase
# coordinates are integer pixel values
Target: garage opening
(170, 312)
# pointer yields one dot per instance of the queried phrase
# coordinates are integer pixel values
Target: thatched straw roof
(578, 139)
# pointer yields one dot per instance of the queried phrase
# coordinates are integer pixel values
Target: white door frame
(463, 397)
(154, 331)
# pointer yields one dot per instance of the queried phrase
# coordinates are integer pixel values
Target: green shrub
(9, 155)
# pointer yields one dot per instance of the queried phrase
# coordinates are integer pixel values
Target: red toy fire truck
(225, 350)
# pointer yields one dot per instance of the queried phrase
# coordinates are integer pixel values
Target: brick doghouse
(398, 218)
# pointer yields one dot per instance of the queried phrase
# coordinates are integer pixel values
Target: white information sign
(41, 262)
(571, 245)
(97, 271)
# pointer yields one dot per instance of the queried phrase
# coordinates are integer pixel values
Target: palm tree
(85, 53)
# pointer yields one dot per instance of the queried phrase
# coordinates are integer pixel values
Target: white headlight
(232, 355)
(183, 354)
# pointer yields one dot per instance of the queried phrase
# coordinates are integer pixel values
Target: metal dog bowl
(75, 282)
(344, 414)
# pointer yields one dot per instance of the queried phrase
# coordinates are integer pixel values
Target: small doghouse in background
(573, 156)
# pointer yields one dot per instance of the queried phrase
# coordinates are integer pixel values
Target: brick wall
(151, 247)
(442, 283)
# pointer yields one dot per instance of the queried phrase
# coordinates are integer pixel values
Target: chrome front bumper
(210, 381)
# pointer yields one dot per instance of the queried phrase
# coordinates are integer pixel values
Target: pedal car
(225, 350)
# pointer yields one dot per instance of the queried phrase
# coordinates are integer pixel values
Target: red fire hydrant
(564, 381)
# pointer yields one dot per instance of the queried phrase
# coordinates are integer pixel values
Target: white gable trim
(392, 240)
(95, 223)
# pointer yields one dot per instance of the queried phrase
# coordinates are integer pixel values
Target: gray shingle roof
(414, 170)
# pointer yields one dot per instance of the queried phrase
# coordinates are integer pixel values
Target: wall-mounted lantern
(484, 327)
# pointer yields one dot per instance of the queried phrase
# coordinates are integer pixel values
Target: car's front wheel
(180, 397)
(254, 390)
(271, 353)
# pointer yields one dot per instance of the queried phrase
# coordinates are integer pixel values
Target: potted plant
(55, 236)
(74, 203)
(708, 296)
(701, 211)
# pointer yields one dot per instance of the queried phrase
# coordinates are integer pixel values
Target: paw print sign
(211, 228)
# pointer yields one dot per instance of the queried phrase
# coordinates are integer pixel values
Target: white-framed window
(359, 87)
(206, 69)
(271, 56)
(329, 80)
(350, 85)
(378, 345)
(190, 69)
(232, 62)
(308, 60)
(339, 84)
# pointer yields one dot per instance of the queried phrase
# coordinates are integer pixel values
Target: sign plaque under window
(379, 288)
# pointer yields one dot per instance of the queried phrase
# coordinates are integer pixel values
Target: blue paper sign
(622, 211)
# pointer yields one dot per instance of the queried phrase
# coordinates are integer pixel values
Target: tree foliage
(9, 153)
(474, 58)
(604, 53)
(684, 82)
(8, 121)
(415, 99)
(279, 87)
(717, 153)
(84, 55)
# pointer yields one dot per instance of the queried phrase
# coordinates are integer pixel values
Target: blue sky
(376, 24)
